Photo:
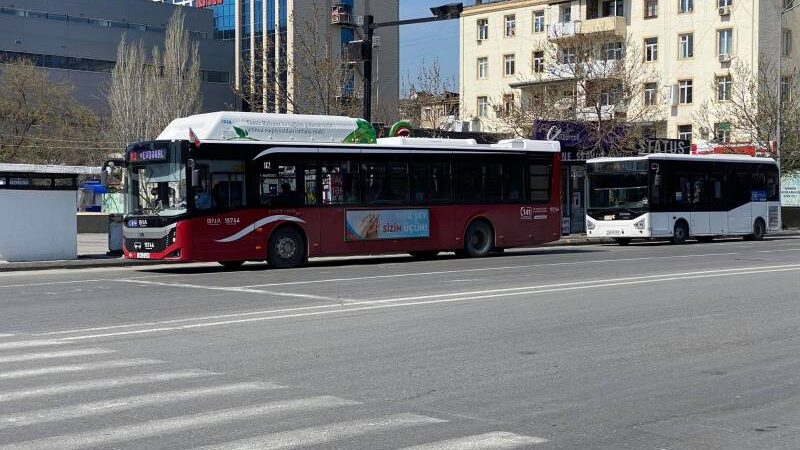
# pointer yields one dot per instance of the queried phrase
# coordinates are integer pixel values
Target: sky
(422, 43)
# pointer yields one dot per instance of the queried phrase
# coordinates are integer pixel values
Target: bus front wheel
(286, 248)
(478, 240)
(759, 230)
(681, 233)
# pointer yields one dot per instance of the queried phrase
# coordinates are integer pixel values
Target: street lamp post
(362, 50)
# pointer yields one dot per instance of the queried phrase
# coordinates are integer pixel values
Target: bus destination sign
(158, 154)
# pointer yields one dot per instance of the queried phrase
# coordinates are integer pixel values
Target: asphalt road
(650, 346)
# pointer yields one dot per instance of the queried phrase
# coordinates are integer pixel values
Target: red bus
(237, 201)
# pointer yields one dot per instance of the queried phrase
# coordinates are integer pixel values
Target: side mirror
(195, 178)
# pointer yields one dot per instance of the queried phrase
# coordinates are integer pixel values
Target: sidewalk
(92, 249)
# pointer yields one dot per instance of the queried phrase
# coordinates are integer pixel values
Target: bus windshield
(625, 190)
(157, 189)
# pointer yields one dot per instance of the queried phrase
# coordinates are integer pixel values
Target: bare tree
(748, 111)
(147, 92)
(41, 122)
(432, 101)
(597, 79)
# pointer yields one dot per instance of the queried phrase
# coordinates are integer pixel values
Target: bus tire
(287, 248)
(478, 240)
(623, 241)
(423, 255)
(231, 264)
(681, 232)
(759, 230)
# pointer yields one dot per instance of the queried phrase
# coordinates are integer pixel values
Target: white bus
(681, 196)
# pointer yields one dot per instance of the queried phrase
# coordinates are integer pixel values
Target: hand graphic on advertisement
(368, 228)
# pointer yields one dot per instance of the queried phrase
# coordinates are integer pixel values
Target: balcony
(607, 25)
(341, 14)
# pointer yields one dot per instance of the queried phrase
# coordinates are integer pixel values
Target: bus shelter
(38, 205)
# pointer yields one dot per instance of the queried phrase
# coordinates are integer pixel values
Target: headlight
(590, 225)
(639, 225)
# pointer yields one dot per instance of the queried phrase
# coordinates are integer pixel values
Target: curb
(98, 261)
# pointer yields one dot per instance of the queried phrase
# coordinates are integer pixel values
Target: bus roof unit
(267, 127)
(675, 157)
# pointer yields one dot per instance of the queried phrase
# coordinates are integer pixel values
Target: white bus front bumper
(630, 229)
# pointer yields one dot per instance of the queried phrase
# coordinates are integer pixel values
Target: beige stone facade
(722, 33)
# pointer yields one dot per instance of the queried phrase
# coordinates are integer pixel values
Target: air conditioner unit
(725, 58)
(480, 41)
(724, 10)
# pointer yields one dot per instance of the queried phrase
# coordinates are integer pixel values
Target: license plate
(614, 232)
(143, 255)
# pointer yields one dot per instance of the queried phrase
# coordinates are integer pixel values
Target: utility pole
(361, 51)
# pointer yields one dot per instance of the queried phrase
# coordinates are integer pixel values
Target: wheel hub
(286, 247)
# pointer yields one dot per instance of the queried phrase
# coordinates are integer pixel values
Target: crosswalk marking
(488, 441)
(52, 355)
(111, 364)
(88, 385)
(108, 436)
(28, 344)
(126, 403)
(325, 433)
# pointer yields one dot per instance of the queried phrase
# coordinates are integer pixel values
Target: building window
(651, 49)
(567, 55)
(685, 91)
(483, 106)
(483, 68)
(725, 41)
(538, 61)
(511, 25)
(650, 9)
(650, 90)
(722, 132)
(538, 21)
(724, 85)
(613, 50)
(685, 132)
(685, 6)
(565, 13)
(786, 92)
(508, 103)
(508, 65)
(483, 29)
(723, 3)
(613, 8)
(686, 45)
(786, 43)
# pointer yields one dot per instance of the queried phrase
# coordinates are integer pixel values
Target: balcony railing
(563, 29)
(613, 25)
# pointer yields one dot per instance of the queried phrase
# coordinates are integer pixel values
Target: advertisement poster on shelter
(379, 224)
(790, 189)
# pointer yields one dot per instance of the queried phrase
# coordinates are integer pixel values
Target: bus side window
(278, 185)
(513, 180)
(340, 183)
(539, 174)
(222, 184)
(432, 182)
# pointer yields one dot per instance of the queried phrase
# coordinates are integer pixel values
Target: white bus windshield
(625, 190)
(157, 189)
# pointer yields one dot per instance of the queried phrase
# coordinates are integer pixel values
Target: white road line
(5, 335)
(29, 344)
(437, 299)
(324, 434)
(104, 383)
(485, 269)
(243, 290)
(53, 355)
(486, 441)
(112, 364)
(108, 436)
(28, 418)
(48, 283)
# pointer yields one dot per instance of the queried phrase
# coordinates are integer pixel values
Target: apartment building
(691, 46)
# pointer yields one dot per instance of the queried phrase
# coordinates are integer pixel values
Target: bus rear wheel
(286, 248)
(759, 230)
(231, 264)
(478, 240)
(680, 233)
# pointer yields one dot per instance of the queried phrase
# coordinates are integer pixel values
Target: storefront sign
(377, 224)
(206, 3)
(790, 189)
(663, 145)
